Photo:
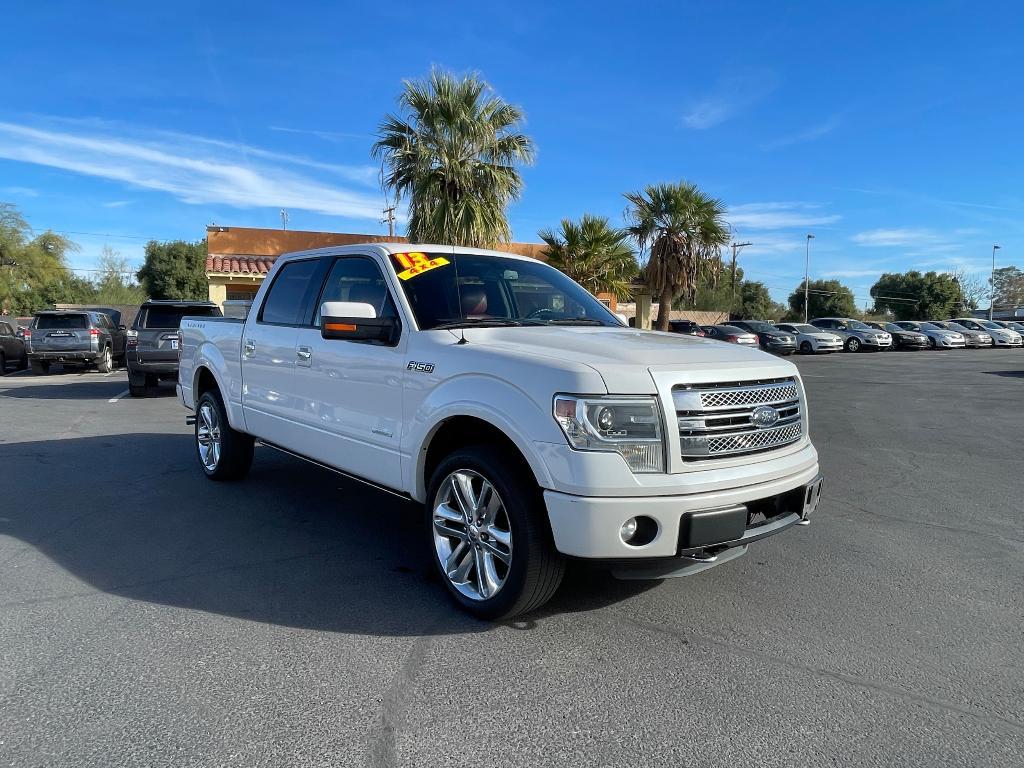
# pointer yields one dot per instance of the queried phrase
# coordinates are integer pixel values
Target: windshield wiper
(475, 322)
(575, 321)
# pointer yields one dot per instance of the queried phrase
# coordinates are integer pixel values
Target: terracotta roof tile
(239, 265)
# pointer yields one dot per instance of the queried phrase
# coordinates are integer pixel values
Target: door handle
(250, 347)
(304, 353)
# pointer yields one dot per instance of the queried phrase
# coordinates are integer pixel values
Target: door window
(360, 280)
(285, 300)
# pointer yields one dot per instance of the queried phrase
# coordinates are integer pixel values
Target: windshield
(758, 326)
(893, 328)
(61, 322)
(989, 324)
(929, 327)
(447, 290)
(802, 328)
(857, 325)
(955, 327)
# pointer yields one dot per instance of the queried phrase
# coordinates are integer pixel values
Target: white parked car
(526, 419)
(811, 340)
(939, 338)
(972, 338)
(1001, 337)
(857, 336)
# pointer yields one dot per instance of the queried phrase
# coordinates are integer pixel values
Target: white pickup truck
(531, 424)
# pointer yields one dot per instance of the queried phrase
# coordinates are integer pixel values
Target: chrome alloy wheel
(472, 534)
(208, 436)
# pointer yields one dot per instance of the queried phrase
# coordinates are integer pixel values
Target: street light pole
(735, 248)
(992, 283)
(807, 269)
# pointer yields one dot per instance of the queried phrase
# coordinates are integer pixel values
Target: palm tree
(685, 230)
(593, 253)
(453, 153)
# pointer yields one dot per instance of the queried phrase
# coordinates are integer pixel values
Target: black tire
(136, 390)
(105, 362)
(806, 347)
(3, 364)
(536, 567)
(22, 363)
(931, 343)
(853, 344)
(40, 367)
(236, 448)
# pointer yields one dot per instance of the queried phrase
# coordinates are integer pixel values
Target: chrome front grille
(737, 418)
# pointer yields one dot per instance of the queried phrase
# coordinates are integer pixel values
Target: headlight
(629, 426)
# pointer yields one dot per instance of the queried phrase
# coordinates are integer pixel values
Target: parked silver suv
(84, 337)
(856, 335)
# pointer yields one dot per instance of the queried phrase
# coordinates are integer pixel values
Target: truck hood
(624, 357)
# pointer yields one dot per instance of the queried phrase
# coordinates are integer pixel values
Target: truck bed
(219, 340)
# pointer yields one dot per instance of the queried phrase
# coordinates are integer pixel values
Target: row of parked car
(96, 337)
(835, 334)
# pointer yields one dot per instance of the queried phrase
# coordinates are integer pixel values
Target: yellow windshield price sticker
(417, 263)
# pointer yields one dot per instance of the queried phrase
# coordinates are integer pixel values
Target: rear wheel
(491, 543)
(105, 363)
(224, 453)
(22, 363)
(3, 364)
(853, 344)
(40, 367)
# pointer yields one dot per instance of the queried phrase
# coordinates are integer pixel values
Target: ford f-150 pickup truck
(532, 425)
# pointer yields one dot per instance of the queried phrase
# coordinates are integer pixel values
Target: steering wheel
(542, 314)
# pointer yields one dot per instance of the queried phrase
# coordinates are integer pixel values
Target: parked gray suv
(153, 341)
(83, 337)
(857, 335)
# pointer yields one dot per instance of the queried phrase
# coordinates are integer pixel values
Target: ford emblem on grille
(764, 416)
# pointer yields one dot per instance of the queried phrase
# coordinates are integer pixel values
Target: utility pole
(284, 219)
(389, 219)
(735, 249)
(992, 283)
(807, 270)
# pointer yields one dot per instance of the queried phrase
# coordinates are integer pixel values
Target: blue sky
(890, 130)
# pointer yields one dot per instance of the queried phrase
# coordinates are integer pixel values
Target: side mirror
(354, 321)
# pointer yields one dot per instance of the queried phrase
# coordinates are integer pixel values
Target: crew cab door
(269, 395)
(351, 391)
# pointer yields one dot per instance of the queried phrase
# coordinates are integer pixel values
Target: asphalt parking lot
(149, 617)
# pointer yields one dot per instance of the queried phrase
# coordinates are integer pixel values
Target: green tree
(916, 296)
(685, 230)
(33, 270)
(454, 152)
(754, 302)
(1009, 287)
(717, 295)
(593, 253)
(112, 284)
(827, 298)
(175, 270)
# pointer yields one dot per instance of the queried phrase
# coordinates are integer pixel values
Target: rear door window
(286, 300)
(170, 317)
(62, 322)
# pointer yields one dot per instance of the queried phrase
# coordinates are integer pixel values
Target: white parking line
(115, 399)
(20, 373)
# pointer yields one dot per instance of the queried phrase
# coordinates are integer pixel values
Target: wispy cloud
(19, 191)
(896, 238)
(731, 96)
(779, 215)
(873, 272)
(325, 135)
(195, 169)
(118, 203)
(810, 133)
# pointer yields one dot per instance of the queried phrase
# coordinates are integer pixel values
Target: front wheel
(491, 542)
(853, 344)
(224, 453)
(806, 347)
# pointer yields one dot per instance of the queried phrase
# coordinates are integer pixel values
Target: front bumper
(589, 527)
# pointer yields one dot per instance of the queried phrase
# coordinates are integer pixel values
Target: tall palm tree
(685, 230)
(454, 152)
(593, 253)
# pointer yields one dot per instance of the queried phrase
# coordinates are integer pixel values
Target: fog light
(628, 530)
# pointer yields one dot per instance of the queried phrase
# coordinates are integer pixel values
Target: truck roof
(177, 303)
(392, 248)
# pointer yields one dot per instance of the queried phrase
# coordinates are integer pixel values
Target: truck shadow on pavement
(292, 544)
